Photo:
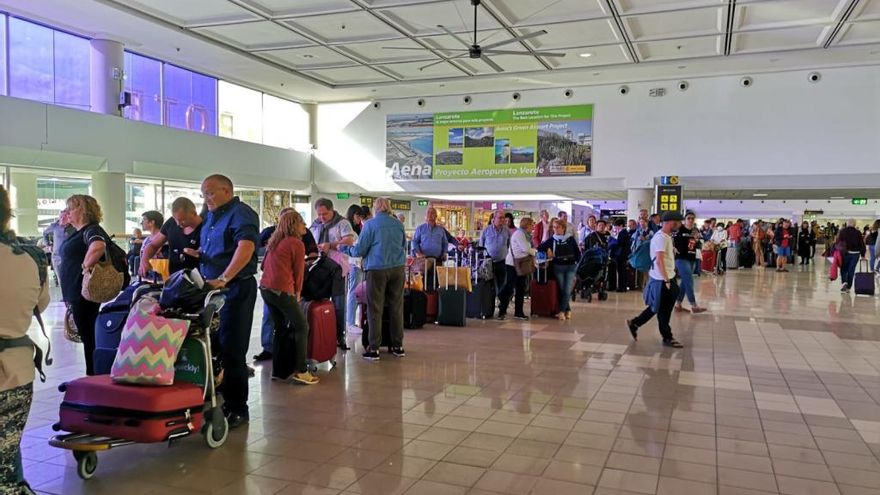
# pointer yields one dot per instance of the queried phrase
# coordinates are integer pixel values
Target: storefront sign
(813, 213)
(668, 198)
(396, 204)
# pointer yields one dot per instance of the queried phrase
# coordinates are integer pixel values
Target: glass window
(143, 79)
(241, 113)
(251, 197)
(71, 71)
(52, 194)
(285, 124)
(141, 195)
(30, 61)
(190, 100)
(174, 190)
(2, 54)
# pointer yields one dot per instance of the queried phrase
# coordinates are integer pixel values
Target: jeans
(499, 275)
(516, 284)
(667, 302)
(267, 329)
(292, 335)
(564, 283)
(873, 258)
(355, 277)
(84, 315)
(339, 305)
(722, 260)
(685, 269)
(385, 288)
(850, 262)
(236, 319)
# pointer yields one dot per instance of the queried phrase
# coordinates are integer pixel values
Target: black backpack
(320, 281)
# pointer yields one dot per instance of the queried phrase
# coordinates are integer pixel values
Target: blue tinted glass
(190, 100)
(143, 80)
(71, 71)
(30, 61)
(2, 54)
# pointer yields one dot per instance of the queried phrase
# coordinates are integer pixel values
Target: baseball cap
(671, 216)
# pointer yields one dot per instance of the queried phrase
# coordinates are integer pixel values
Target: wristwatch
(223, 279)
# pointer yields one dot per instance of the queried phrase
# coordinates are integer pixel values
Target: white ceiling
(333, 49)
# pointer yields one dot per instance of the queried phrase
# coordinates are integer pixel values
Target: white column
(637, 199)
(23, 192)
(109, 189)
(107, 62)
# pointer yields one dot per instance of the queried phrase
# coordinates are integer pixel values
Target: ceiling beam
(730, 20)
(621, 28)
(847, 12)
(513, 33)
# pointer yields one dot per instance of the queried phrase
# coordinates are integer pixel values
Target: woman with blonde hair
(80, 253)
(283, 271)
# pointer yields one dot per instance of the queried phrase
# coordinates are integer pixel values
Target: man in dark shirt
(229, 239)
(182, 233)
(852, 244)
(620, 251)
(686, 241)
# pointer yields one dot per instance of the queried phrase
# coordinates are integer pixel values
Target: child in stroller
(592, 273)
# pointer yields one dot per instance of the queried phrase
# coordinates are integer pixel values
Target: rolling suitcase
(415, 308)
(111, 319)
(97, 406)
(452, 305)
(863, 282)
(733, 257)
(709, 259)
(545, 295)
(481, 301)
(386, 329)
(322, 330)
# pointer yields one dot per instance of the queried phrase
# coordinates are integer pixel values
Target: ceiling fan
(476, 51)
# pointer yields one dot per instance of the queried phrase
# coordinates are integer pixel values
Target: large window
(143, 79)
(285, 124)
(141, 195)
(241, 113)
(174, 190)
(52, 194)
(190, 100)
(2, 54)
(47, 65)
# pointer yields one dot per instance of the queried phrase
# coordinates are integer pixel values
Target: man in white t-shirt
(662, 290)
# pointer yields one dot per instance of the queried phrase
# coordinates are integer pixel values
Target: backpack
(640, 259)
(320, 281)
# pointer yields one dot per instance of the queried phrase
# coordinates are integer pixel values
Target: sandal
(304, 378)
(673, 343)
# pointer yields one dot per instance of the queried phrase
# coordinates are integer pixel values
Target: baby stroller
(100, 415)
(592, 273)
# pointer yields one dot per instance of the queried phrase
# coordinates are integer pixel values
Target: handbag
(71, 333)
(524, 266)
(102, 282)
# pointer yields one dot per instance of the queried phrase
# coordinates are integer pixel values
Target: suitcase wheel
(589, 297)
(216, 430)
(86, 463)
(603, 296)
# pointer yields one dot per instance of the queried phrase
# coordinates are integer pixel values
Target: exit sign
(423, 202)
(342, 195)
(860, 201)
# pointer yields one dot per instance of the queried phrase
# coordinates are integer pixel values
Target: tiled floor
(777, 391)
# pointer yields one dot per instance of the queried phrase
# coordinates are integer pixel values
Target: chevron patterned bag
(149, 346)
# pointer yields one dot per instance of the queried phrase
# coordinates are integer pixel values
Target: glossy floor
(776, 391)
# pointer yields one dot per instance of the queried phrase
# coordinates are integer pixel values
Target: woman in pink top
(283, 271)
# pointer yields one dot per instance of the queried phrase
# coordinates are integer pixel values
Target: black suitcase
(481, 302)
(386, 328)
(110, 322)
(451, 307)
(415, 307)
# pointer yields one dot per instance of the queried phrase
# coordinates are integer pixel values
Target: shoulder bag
(523, 266)
(102, 282)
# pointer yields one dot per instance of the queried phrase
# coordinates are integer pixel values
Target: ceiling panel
(573, 34)
(777, 39)
(311, 57)
(785, 12)
(867, 9)
(350, 75)
(678, 49)
(456, 15)
(676, 24)
(373, 51)
(192, 11)
(345, 27)
(629, 6)
(302, 7)
(599, 55)
(861, 32)
(533, 12)
(256, 35)
(411, 70)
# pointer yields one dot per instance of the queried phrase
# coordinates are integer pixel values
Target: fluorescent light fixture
(838, 197)
(496, 197)
(586, 55)
(583, 203)
(760, 195)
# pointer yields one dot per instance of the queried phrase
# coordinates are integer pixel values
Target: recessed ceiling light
(774, 60)
(596, 73)
(682, 66)
(586, 55)
(875, 52)
(838, 197)
(760, 195)
(308, 55)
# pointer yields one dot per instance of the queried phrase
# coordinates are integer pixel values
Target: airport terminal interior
(743, 114)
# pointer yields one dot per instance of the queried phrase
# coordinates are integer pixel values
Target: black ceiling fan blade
(457, 37)
(511, 52)
(432, 64)
(410, 48)
(491, 64)
(514, 40)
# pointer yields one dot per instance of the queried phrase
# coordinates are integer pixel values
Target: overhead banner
(491, 144)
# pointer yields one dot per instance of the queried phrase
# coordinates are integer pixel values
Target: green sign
(342, 195)
(860, 201)
(491, 144)
(423, 202)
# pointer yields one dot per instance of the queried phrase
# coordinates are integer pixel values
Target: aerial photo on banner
(491, 144)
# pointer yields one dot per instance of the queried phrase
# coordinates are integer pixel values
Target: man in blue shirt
(429, 241)
(496, 239)
(229, 240)
(382, 246)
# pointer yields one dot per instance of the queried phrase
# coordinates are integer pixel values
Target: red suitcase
(709, 260)
(433, 306)
(97, 406)
(544, 295)
(322, 331)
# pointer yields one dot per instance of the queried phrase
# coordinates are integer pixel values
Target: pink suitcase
(322, 331)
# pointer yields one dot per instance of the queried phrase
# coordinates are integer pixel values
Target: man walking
(229, 240)
(662, 290)
(496, 239)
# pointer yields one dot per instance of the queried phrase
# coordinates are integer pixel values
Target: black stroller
(592, 273)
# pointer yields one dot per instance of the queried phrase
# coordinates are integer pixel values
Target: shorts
(783, 251)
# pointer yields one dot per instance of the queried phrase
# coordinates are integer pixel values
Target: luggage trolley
(199, 368)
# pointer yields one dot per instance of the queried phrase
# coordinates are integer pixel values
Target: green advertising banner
(491, 144)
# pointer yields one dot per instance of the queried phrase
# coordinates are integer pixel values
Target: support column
(312, 110)
(109, 189)
(23, 192)
(107, 62)
(637, 199)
